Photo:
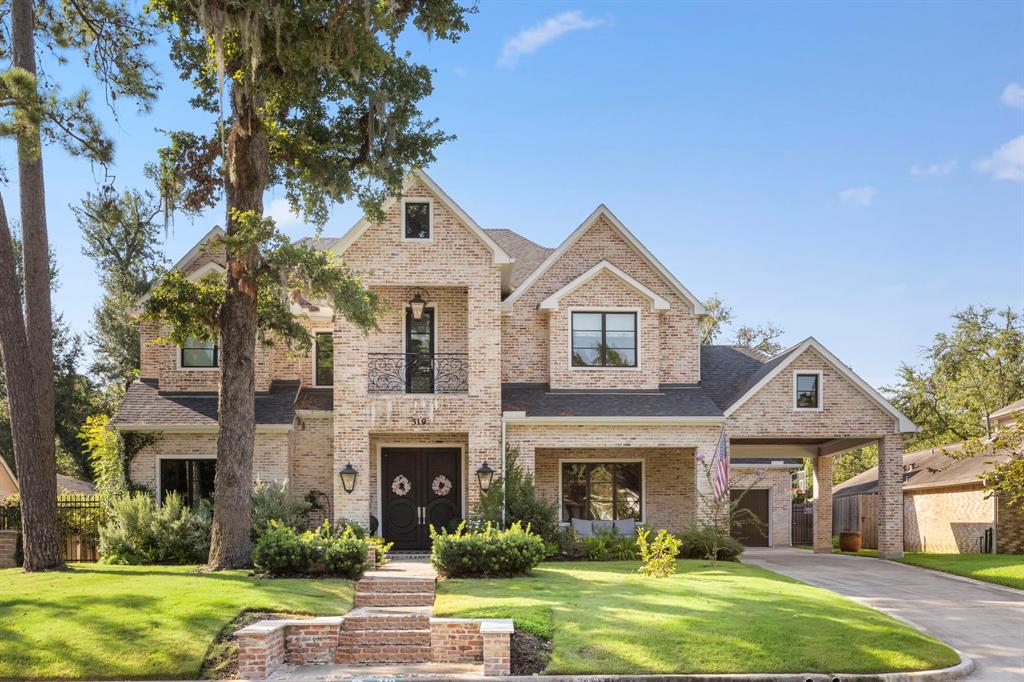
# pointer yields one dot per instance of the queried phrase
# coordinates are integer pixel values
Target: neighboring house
(65, 484)
(945, 508)
(586, 358)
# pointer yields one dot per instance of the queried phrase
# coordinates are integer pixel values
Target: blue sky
(853, 172)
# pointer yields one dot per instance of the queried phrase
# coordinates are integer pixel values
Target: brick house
(945, 506)
(585, 358)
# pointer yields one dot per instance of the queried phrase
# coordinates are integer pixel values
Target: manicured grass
(734, 618)
(1001, 569)
(102, 622)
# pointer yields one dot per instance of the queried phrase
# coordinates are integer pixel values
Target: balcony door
(420, 487)
(419, 352)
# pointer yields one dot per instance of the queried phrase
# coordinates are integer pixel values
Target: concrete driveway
(982, 621)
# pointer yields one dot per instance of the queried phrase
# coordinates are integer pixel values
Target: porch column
(351, 421)
(822, 504)
(890, 496)
(483, 407)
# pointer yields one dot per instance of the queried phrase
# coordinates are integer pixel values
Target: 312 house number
(419, 421)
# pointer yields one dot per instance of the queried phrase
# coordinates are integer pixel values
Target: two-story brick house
(586, 358)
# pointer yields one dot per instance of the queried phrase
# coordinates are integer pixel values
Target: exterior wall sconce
(485, 476)
(417, 304)
(348, 478)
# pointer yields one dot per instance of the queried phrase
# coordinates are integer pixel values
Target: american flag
(721, 465)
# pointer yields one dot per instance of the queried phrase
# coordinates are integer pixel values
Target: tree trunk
(247, 166)
(28, 342)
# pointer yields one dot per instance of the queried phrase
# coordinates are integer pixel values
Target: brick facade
(1009, 527)
(946, 520)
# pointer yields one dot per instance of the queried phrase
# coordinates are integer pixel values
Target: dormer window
(807, 390)
(604, 339)
(417, 220)
(196, 354)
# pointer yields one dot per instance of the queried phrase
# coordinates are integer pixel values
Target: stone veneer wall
(779, 482)
(527, 333)
(1009, 529)
(946, 520)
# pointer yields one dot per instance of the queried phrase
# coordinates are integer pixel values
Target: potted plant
(849, 541)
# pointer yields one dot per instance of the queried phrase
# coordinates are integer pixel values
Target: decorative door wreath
(401, 485)
(441, 486)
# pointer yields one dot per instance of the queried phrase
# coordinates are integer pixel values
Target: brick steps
(359, 638)
(390, 623)
(371, 654)
(394, 599)
(370, 620)
(393, 585)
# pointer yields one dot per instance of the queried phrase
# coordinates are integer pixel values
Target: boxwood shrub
(281, 550)
(486, 553)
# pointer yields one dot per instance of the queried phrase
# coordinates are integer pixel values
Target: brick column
(484, 414)
(497, 646)
(890, 496)
(822, 504)
(351, 421)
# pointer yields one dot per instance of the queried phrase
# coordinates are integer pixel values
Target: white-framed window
(597, 489)
(807, 390)
(604, 339)
(323, 359)
(196, 354)
(417, 220)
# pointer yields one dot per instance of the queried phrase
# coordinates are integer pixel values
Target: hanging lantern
(485, 476)
(348, 478)
(417, 304)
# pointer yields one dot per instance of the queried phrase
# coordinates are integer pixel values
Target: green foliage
(140, 531)
(659, 555)
(271, 502)
(282, 551)
(1006, 475)
(522, 503)
(609, 545)
(342, 553)
(706, 541)
(967, 373)
(849, 464)
(570, 545)
(762, 338)
(486, 553)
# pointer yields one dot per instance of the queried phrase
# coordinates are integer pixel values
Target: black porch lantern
(484, 476)
(348, 478)
(417, 304)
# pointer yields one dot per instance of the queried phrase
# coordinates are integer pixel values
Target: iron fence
(80, 518)
(418, 373)
(803, 523)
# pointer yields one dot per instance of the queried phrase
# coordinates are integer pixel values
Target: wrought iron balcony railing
(418, 373)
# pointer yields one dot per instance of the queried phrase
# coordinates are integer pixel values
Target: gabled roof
(551, 302)
(215, 233)
(602, 212)
(775, 365)
(500, 257)
(528, 254)
(1009, 409)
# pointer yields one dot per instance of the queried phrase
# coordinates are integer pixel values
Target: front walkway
(984, 622)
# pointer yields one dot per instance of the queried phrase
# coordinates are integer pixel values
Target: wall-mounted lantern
(418, 303)
(348, 478)
(484, 476)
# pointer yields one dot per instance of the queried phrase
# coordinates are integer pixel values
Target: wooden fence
(857, 512)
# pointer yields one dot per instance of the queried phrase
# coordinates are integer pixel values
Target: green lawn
(1001, 569)
(98, 621)
(605, 618)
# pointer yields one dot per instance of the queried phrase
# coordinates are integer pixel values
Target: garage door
(750, 534)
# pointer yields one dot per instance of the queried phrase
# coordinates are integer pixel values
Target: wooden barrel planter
(849, 541)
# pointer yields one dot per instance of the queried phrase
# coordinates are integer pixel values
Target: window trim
(821, 389)
(430, 223)
(160, 458)
(591, 309)
(315, 334)
(214, 367)
(606, 460)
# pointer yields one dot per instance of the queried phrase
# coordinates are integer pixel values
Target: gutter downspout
(504, 461)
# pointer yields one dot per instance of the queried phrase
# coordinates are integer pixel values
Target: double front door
(420, 487)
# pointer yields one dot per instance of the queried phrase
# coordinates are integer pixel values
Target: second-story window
(603, 339)
(324, 359)
(416, 219)
(807, 391)
(196, 353)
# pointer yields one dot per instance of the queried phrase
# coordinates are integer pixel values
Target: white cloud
(1005, 163)
(859, 196)
(1013, 96)
(530, 40)
(281, 212)
(944, 168)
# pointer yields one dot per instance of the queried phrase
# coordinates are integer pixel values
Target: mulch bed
(530, 653)
(221, 659)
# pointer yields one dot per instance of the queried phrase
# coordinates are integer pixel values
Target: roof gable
(551, 302)
(600, 212)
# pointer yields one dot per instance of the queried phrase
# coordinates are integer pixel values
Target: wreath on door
(401, 485)
(441, 486)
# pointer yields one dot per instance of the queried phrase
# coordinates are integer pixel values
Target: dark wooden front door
(751, 534)
(419, 487)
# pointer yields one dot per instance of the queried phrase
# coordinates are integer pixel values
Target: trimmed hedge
(282, 551)
(486, 553)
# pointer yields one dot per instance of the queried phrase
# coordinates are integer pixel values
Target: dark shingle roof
(145, 405)
(316, 399)
(528, 255)
(74, 485)
(725, 369)
(537, 400)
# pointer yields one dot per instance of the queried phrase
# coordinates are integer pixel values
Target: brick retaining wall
(8, 548)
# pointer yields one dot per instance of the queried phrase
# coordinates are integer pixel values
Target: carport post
(890, 496)
(822, 504)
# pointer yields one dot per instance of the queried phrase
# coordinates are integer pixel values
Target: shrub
(659, 555)
(610, 545)
(142, 532)
(522, 504)
(342, 553)
(271, 502)
(487, 553)
(570, 544)
(280, 550)
(700, 539)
